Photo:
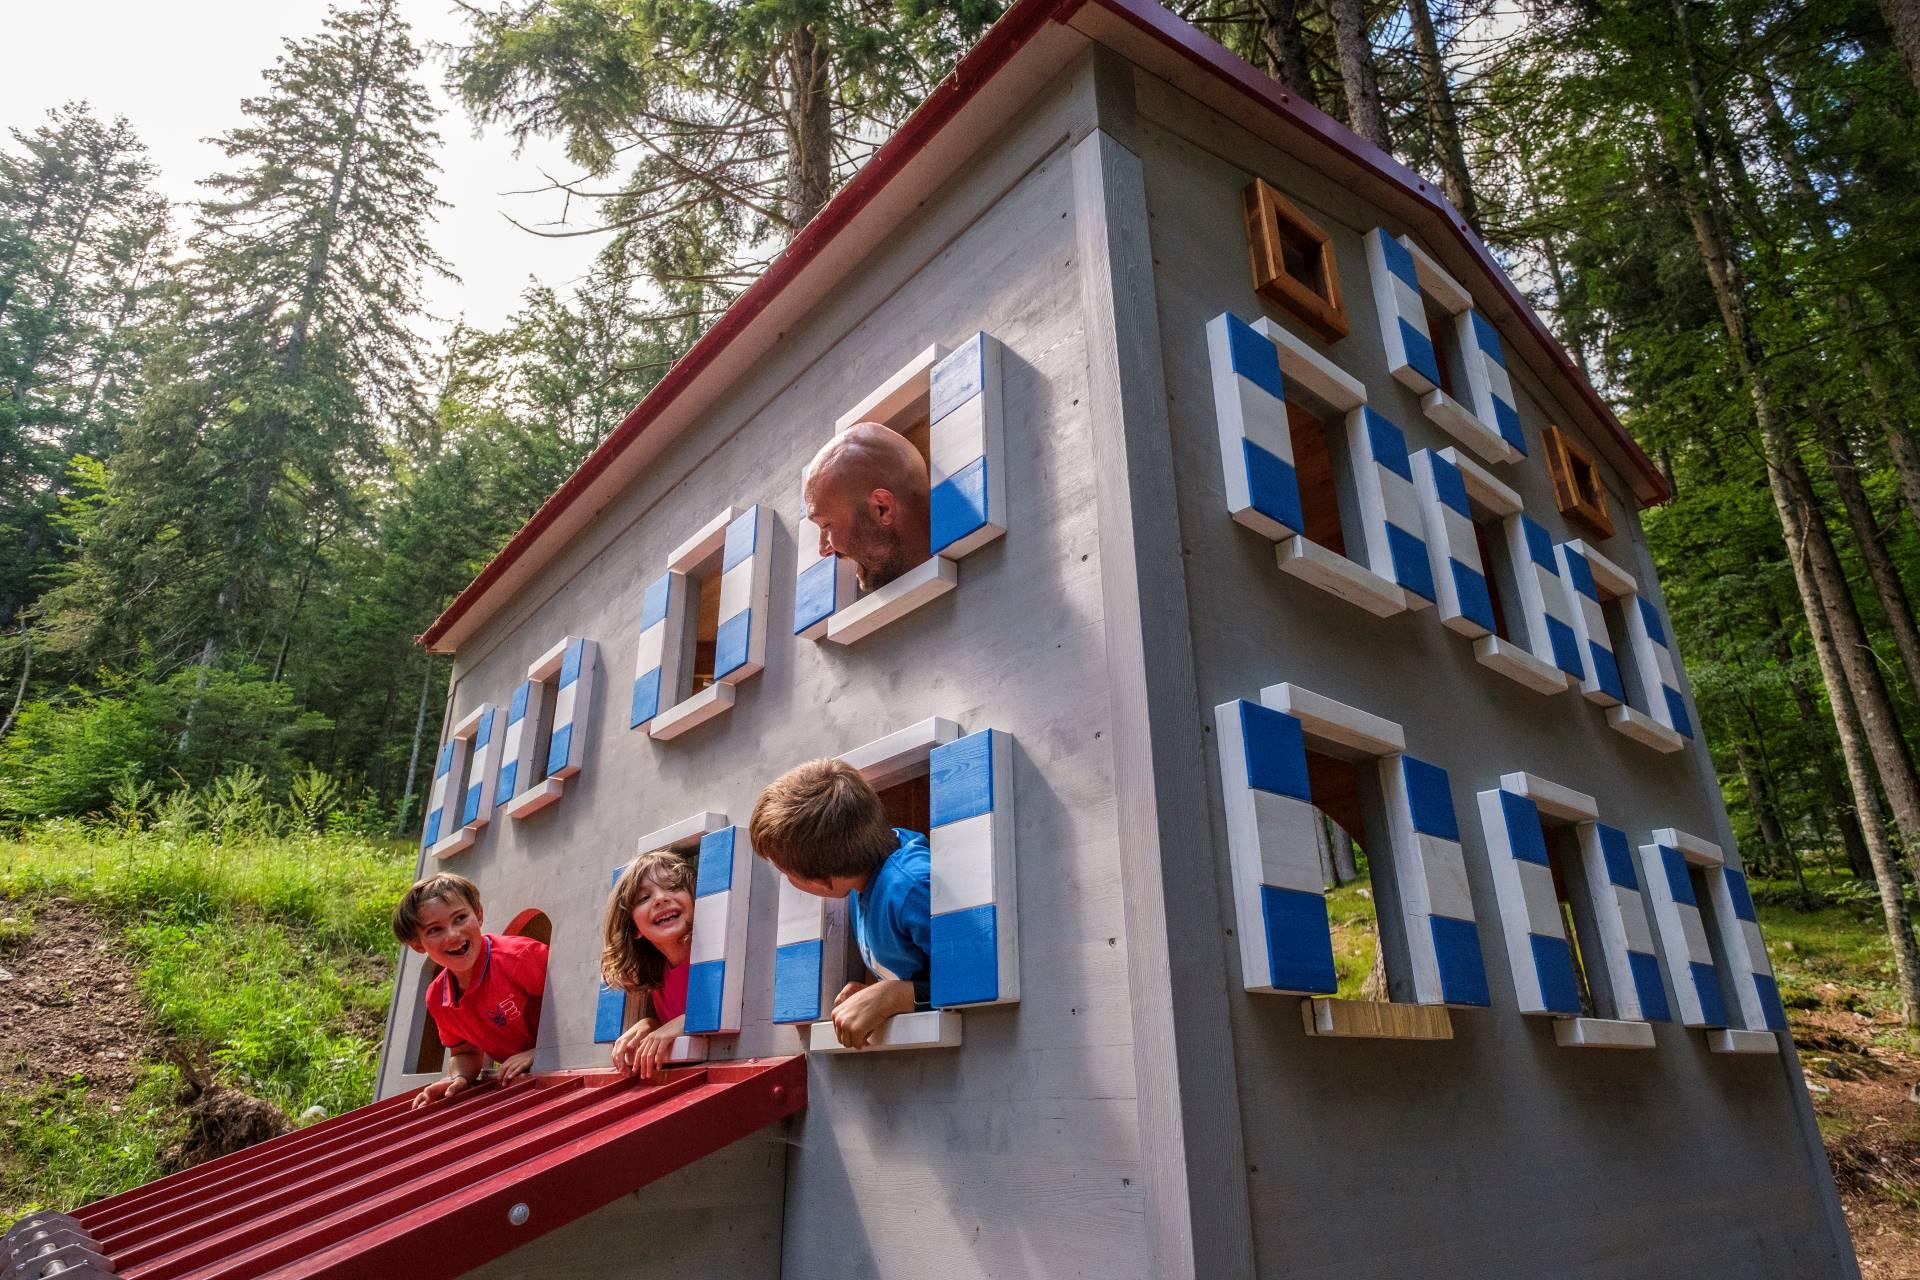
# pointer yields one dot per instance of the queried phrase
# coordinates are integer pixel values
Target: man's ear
(882, 506)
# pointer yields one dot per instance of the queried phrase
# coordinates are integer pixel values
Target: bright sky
(179, 68)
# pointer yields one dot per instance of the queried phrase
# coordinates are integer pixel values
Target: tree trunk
(1285, 45)
(1817, 571)
(1866, 531)
(809, 128)
(1442, 118)
(1903, 20)
(1886, 870)
(1852, 839)
(1357, 76)
(20, 690)
(413, 758)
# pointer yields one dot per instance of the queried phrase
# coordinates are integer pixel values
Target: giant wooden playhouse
(1260, 496)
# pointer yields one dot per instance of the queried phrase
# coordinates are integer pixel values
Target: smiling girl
(649, 934)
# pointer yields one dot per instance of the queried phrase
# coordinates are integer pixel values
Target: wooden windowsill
(1375, 1020)
(1518, 665)
(1465, 426)
(536, 798)
(691, 713)
(915, 587)
(1644, 729)
(929, 1029)
(1736, 1041)
(1602, 1033)
(1307, 560)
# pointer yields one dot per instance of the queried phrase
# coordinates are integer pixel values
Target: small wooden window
(1293, 261)
(1577, 489)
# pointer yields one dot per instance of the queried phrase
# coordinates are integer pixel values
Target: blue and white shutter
(822, 586)
(1256, 444)
(1430, 872)
(1756, 993)
(1683, 933)
(1657, 667)
(1543, 599)
(965, 449)
(717, 974)
(976, 954)
(1629, 963)
(809, 957)
(1411, 358)
(516, 747)
(443, 834)
(610, 1002)
(1600, 682)
(663, 618)
(1389, 505)
(1488, 386)
(1538, 951)
(1453, 549)
(1280, 904)
(740, 644)
(476, 809)
(572, 701)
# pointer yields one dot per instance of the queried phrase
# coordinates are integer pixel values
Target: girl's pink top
(670, 997)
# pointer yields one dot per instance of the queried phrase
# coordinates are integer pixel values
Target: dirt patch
(220, 1121)
(1863, 1093)
(69, 1004)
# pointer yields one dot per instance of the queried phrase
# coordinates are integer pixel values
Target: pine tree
(733, 122)
(293, 361)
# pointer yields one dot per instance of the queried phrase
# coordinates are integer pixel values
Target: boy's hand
(444, 1087)
(862, 1008)
(516, 1066)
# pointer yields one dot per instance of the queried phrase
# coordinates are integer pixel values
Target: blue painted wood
(961, 782)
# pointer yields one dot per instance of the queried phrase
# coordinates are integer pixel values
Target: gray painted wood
(1496, 1153)
(1189, 1132)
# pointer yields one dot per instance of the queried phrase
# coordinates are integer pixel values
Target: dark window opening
(703, 582)
(1316, 452)
(1576, 915)
(1614, 610)
(1293, 261)
(541, 702)
(1440, 329)
(1487, 535)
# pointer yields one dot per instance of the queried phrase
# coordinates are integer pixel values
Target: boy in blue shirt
(825, 830)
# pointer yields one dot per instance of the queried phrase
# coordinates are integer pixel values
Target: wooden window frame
(1577, 488)
(1268, 214)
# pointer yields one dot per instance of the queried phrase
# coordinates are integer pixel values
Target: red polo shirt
(499, 1011)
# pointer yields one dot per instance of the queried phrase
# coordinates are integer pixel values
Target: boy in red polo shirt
(485, 1001)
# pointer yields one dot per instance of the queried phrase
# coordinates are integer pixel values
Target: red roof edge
(1005, 38)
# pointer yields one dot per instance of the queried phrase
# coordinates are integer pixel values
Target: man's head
(822, 827)
(441, 918)
(867, 491)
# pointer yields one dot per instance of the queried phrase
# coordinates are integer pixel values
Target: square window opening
(1576, 911)
(1294, 265)
(909, 412)
(1319, 462)
(1578, 489)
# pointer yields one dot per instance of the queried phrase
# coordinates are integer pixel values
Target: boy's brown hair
(821, 821)
(443, 885)
(628, 961)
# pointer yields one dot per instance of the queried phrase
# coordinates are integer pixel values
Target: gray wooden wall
(1020, 1147)
(1497, 1153)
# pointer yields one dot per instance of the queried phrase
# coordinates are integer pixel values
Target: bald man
(867, 491)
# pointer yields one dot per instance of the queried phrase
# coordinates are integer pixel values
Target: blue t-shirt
(892, 916)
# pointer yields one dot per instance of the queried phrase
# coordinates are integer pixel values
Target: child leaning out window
(649, 935)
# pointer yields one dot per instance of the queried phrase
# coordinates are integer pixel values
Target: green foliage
(65, 1147)
(94, 752)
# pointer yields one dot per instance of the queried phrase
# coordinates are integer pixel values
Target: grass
(1356, 936)
(273, 954)
(1834, 955)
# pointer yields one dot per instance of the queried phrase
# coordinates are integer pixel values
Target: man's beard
(877, 553)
